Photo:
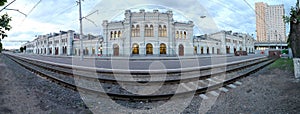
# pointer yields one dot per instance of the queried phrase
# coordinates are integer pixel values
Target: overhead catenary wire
(7, 5)
(34, 7)
(17, 11)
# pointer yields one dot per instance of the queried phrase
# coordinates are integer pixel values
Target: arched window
(151, 31)
(149, 49)
(93, 51)
(133, 31)
(177, 34)
(119, 34)
(160, 31)
(135, 49)
(163, 48)
(115, 35)
(165, 31)
(111, 34)
(147, 32)
(184, 35)
(137, 31)
(180, 34)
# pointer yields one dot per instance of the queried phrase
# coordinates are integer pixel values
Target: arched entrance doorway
(163, 48)
(207, 50)
(56, 51)
(227, 49)
(202, 51)
(218, 51)
(135, 49)
(149, 49)
(234, 50)
(181, 50)
(116, 49)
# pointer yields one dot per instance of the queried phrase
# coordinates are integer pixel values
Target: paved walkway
(141, 64)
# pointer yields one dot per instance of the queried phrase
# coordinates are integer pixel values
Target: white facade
(142, 34)
(147, 34)
(52, 44)
(231, 42)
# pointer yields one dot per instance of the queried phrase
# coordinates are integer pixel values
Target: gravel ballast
(24, 92)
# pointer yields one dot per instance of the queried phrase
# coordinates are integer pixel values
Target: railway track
(196, 80)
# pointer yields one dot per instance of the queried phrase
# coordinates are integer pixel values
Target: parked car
(240, 53)
(284, 55)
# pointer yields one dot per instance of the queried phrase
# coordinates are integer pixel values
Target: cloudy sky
(48, 16)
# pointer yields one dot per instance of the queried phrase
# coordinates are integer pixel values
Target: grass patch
(283, 64)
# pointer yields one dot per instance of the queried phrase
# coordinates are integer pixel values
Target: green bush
(285, 51)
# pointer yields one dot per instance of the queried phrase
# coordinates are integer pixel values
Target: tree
(294, 35)
(2, 2)
(4, 24)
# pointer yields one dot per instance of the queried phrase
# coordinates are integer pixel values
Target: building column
(156, 44)
(142, 35)
(60, 45)
(70, 42)
(53, 50)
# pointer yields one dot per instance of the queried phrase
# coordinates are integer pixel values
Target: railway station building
(142, 34)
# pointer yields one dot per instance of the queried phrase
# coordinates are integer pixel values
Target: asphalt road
(141, 64)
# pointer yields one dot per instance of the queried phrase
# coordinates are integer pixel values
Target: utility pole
(80, 36)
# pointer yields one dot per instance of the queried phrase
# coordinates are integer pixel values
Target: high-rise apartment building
(270, 26)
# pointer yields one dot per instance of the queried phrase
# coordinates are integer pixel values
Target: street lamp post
(101, 41)
(194, 40)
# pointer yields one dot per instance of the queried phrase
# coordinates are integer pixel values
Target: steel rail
(142, 97)
(140, 72)
(197, 76)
